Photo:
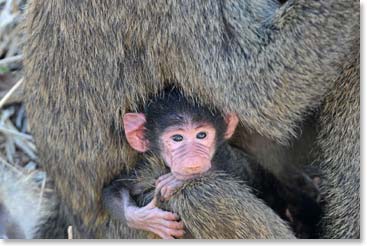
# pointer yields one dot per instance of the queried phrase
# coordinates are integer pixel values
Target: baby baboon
(190, 139)
(23, 208)
(213, 205)
(272, 64)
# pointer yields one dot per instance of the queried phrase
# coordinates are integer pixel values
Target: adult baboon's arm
(216, 206)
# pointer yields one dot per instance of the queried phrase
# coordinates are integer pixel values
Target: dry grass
(17, 148)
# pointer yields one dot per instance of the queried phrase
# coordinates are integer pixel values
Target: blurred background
(17, 148)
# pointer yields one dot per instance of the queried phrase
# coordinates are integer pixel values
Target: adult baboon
(88, 62)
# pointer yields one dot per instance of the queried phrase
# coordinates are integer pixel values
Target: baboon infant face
(187, 146)
(182, 132)
(188, 149)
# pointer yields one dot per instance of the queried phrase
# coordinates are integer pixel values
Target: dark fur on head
(172, 108)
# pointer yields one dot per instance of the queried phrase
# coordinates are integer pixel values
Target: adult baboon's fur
(213, 206)
(340, 117)
(203, 199)
(89, 62)
(24, 208)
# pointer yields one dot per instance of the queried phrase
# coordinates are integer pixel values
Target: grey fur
(22, 202)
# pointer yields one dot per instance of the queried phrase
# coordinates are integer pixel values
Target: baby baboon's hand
(167, 185)
(150, 218)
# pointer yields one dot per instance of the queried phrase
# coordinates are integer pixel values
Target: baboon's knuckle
(169, 216)
(172, 232)
(171, 224)
(171, 189)
(179, 233)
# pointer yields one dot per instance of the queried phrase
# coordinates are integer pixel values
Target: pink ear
(134, 131)
(232, 122)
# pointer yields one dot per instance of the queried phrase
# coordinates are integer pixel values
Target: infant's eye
(177, 138)
(201, 135)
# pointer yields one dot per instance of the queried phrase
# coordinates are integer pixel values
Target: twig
(23, 145)
(16, 133)
(70, 232)
(10, 92)
(11, 59)
(15, 169)
(41, 193)
(10, 149)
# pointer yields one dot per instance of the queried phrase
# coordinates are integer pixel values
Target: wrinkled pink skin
(152, 219)
(167, 185)
(187, 158)
(191, 156)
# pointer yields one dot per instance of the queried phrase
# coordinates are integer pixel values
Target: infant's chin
(186, 176)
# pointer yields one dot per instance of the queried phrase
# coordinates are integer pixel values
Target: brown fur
(89, 61)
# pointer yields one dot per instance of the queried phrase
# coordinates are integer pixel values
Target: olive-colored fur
(215, 205)
(88, 62)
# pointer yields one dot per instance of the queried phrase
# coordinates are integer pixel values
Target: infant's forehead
(189, 125)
